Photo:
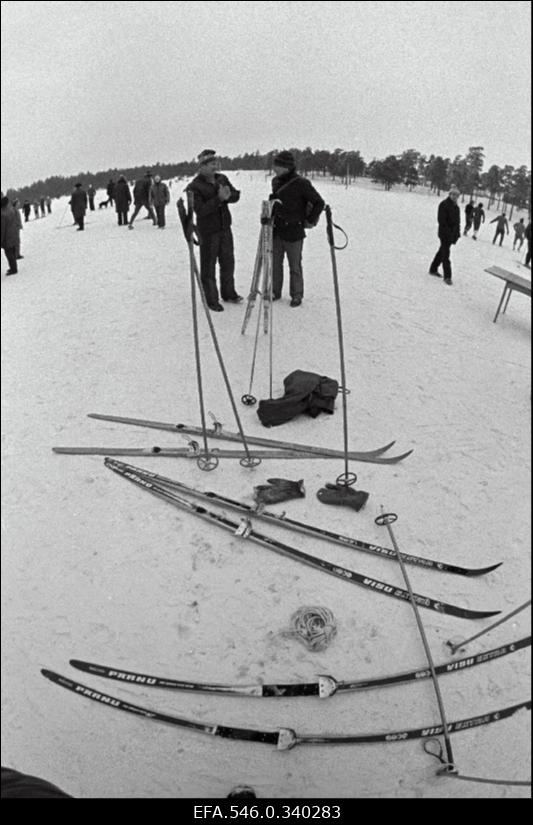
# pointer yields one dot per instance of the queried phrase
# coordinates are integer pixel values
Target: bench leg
(500, 304)
(509, 290)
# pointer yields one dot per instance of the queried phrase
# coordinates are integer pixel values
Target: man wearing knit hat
(212, 192)
(449, 220)
(299, 207)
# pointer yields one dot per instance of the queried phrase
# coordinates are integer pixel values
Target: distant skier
(212, 193)
(142, 196)
(49, 204)
(160, 198)
(469, 216)
(9, 232)
(299, 209)
(26, 208)
(449, 220)
(110, 191)
(42, 204)
(35, 209)
(122, 200)
(519, 233)
(91, 193)
(78, 206)
(502, 226)
(479, 218)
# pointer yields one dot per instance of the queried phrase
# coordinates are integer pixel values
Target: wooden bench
(513, 283)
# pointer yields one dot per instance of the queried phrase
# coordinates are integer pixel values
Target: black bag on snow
(305, 392)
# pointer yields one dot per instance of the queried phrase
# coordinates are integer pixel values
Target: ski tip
(77, 663)
(484, 614)
(481, 571)
(49, 674)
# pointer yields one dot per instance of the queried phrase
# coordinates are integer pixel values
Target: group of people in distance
(152, 194)
(449, 221)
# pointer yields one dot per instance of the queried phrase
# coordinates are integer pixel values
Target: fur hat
(206, 156)
(285, 159)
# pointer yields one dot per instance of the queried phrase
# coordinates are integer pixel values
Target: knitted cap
(285, 159)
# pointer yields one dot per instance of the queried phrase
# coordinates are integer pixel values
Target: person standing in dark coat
(160, 198)
(91, 192)
(20, 227)
(42, 204)
(110, 191)
(27, 209)
(449, 219)
(469, 216)
(9, 232)
(122, 200)
(479, 218)
(35, 209)
(49, 204)
(78, 205)
(298, 209)
(527, 235)
(212, 192)
(142, 196)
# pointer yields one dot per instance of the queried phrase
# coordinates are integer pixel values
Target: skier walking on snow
(78, 206)
(479, 218)
(469, 216)
(142, 196)
(502, 226)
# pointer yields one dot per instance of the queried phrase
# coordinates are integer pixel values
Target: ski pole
(387, 519)
(460, 644)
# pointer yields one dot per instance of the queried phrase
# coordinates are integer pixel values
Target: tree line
(507, 185)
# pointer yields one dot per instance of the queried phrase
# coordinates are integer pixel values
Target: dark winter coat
(212, 214)
(305, 392)
(160, 194)
(527, 233)
(111, 189)
(469, 211)
(9, 228)
(78, 203)
(449, 218)
(142, 191)
(122, 196)
(479, 216)
(300, 205)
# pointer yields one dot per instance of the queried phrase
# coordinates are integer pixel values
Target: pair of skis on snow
(277, 449)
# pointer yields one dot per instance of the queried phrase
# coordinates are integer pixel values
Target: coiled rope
(315, 627)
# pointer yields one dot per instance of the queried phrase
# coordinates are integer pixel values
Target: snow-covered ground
(96, 569)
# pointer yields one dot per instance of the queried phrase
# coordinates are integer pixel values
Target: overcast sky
(93, 85)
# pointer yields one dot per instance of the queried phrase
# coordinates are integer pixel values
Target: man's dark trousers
(294, 256)
(442, 257)
(160, 212)
(11, 255)
(218, 246)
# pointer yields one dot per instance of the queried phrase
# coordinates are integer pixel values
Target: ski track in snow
(95, 569)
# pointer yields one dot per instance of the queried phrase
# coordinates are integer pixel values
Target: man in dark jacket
(142, 196)
(110, 191)
(449, 218)
(299, 207)
(78, 205)
(212, 192)
(122, 200)
(479, 218)
(9, 234)
(160, 197)
(469, 216)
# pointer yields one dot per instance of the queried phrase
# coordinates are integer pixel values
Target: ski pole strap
(329, 229)
(448, 769)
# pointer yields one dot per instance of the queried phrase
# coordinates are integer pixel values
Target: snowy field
(96, 569)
